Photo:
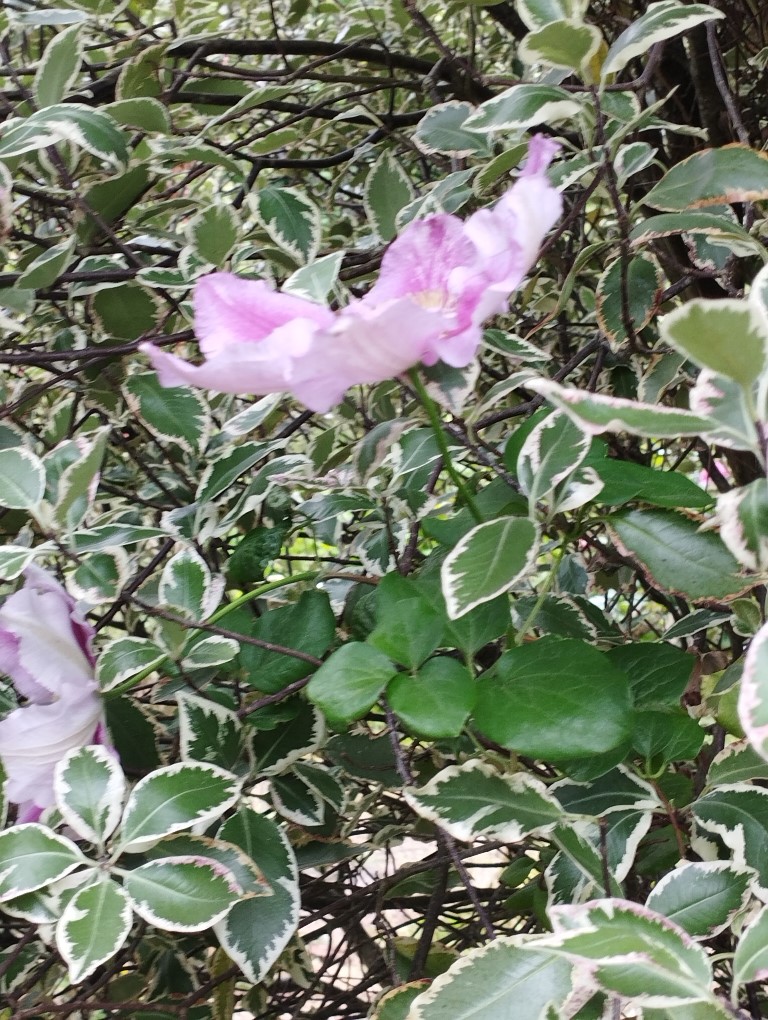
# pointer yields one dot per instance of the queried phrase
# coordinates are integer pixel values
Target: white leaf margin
(112, 798)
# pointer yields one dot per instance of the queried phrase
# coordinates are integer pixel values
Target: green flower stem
(437, 427)
(249, 596)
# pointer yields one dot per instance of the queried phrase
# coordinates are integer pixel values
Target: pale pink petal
(35, 738)
(508, 236)
(38, 621)
(366, 345)
(541, 151)
(231, 311)
(241, 368)
(419, 262)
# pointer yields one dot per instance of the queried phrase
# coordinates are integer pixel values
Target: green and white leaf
(538, 13)
(750, 961)
(702, 897)
(597, 413)
(659, 22)
(93, 927)
(734, 173)
(186, 585)
(175, 798)
(125, 657)
(387, 189)
(291, 219)
(275, 750)
(92, 130)
(213, 233)
(726, 336)
(728, 408)
(486, 982)
(742, 514)
(315, 282)
(176, 414)
(46, 268)
(475, 799)
(738, 814)
(487, 561)
(89, 787)
(753, 694)
(523, 106)
(551, 453)
(182, 893)
(738, 762)
(208, 732)
(632, 952)
(255, 931)
(22, 479)
(565, 45)
(76, 489)
(443, 129)
(31, 857)
(59, 66)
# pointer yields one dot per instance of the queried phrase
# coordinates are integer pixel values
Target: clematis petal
(242, 368)
(508, 236)
(44, 641)
(419, 262)
(366, 345)
(230, 311)
(35, 738)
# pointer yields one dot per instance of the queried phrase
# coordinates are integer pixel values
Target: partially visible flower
(439, 280)
(464, 272)
(45, 649)
(251, 337)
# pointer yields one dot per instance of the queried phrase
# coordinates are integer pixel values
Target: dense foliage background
(425, 707)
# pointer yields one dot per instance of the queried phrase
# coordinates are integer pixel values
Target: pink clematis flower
(45, 648)
(251, 337)
(439, 281)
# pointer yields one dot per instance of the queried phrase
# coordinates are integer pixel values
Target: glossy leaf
(178, 415)
(486, 562)
(738, 814)
(94, 926)
(750, 961)
(701, 897)
(185, 894)
(387, 189)
(632, 951)
(208, 732)
(255, 931)
(734, 173)
(32, 856)
(350, 682)
(725, 336)
(89, 787)
(660, 21)
(523, 106)
(486, 981)
(174, 798)
(554, 699)
(435, 702)
(474, 799)
(408, 629)
(598, 413)
(22, 479)
(676, 556)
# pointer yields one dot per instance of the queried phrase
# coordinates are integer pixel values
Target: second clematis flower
(439, 281)
(45, 649)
